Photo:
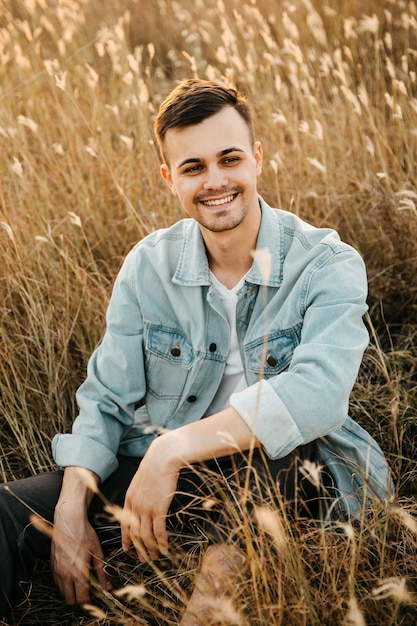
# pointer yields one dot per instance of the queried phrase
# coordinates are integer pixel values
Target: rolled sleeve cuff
(267, 416)
(76, 450)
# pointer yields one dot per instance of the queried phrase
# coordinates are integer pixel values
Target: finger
(82, 591)
(128, 526)
(68, 592)
(98, 566)
(125, 535)
(148, 538)
(141, 551)
(73, 592)
(126, 540)
(62, 588)
(71, 580)
(136, 538)
(131, 536)
(63, 582)
(74, 587)
(135, 533)
(160, 533)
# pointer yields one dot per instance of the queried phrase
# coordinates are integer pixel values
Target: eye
(231, 160)
(194, 169)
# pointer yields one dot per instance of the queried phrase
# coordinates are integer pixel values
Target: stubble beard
(222, 220)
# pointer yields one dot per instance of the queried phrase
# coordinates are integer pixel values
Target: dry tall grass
(335, 94)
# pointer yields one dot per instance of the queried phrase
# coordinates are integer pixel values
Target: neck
(231, 273)
(230, 252)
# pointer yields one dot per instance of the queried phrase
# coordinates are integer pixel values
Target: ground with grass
(335, 97)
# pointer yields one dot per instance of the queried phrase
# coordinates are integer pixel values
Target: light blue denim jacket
(301, 336)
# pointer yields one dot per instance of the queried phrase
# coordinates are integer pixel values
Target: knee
(13, 511)
(4, 496)
(7, 502)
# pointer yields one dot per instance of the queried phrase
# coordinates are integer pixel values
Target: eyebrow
(218, 155)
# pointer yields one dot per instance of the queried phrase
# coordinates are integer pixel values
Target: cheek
(185, 191)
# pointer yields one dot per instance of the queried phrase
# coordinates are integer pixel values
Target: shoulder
(157, 257)
(165, 236)
(163, 243)
(298, 233)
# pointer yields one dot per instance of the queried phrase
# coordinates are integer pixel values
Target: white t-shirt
(233, 378)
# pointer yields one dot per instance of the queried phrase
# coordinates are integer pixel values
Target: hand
(152, 488)
(75, 551)
(75, 547)
(147, 502)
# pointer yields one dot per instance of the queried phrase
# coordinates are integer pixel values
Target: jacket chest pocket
(272, 354)
(168, 359)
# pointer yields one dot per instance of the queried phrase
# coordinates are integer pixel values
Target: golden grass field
(334, 89)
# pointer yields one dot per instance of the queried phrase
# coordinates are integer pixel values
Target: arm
(308, 397)
(148, 500)
(115, 382)
(75, 547)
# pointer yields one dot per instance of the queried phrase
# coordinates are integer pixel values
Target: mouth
(219, 201)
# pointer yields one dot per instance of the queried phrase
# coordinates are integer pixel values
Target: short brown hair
(195, 100)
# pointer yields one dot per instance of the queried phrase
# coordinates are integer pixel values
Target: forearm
(147, 500)
(215, 436)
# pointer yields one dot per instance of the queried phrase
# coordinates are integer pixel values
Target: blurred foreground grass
(335, 95)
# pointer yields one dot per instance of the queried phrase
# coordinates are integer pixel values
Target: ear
(166, 175)
(258, 154)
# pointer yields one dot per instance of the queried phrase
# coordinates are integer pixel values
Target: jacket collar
(192, 268)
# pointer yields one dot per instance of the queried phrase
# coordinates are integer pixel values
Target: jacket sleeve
(114, 384)
(310, 398)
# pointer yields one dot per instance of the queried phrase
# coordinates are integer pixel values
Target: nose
(215, 178)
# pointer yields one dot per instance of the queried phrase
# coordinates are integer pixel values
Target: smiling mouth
(219, 201)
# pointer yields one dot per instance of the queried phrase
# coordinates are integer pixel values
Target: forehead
(213, 135)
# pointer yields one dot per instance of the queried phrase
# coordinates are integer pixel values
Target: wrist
(78, 488)
(171, 450)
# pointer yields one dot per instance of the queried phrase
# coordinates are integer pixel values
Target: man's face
(212, 167)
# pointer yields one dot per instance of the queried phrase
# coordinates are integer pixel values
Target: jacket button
(212, 347)
(271, 360)
(191, 398)
(175, 351)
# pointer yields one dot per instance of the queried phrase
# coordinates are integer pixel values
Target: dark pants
(217, 482)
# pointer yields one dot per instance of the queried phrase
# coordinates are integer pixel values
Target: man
(242, 315)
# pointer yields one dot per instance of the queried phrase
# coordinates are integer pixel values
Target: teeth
(218, 202)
